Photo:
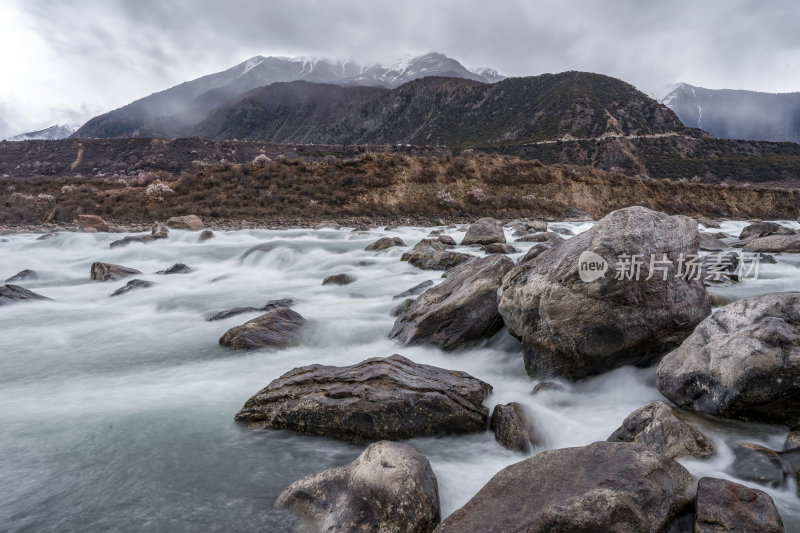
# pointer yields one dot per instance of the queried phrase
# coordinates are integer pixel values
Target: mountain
(734, 114)
(173, 112)
(56, 131)
(453, 112)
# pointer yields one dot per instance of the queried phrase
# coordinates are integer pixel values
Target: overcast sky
(68, 60)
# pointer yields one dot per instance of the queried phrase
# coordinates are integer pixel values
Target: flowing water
(116, 414)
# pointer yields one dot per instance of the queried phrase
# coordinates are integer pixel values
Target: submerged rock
(774, 244)
(763, 229)
(723, 505)
(413, 291)
(434, 255)
(129, 239)
(190, 222)
(382, 398)
(511, 427)
(605, 486)
(742, 362)
(384, 243)
(10, 294)
(759, 464)
(92, 222)
(177, 268)
(272, 304)
(461, 309)
(390, 487)
(110, 272)
(278, 328)
(339, 279)
(484, 231)
(23, 275)
(132, 285)
(575, 328)
(205, 235)
(661, 428)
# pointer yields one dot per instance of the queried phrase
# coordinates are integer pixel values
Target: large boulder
(390, 487)
(723, 505)
(575, 328)
(382, 398)
(110, 272)
(278, 328)
(384, 243)
(461, 309)
(663, 429)
(428, 254)
(511, 427)
(191, 222)
(763, 229)
(93, 223)
(484, 231)
(742, 362)
(10, 294)
(774, 244)
(609, 487)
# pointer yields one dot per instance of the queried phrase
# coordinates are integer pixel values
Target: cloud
(80, 56)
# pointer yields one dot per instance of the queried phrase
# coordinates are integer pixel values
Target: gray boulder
(190, 222)
(132, 285)
(278, 328)
(205, 235)
(763, 229)
(461, 309)
(575, 328)
(663, 429)
(339, 279)
(110, 272)
(385, 243)
(484, 231)
(177, 268)
(500, 248)
(270, 305)
(723, 505)
(390, 488)
(535, 251)
(413, 291)
(550, 236)
(389, 398)
(709, 243)
(511, 427)
(759, 464)
(434, 255)
(609, 487)
(774, 244)
(742, 362)
(23, 275)
(10, 294)
(446, 239)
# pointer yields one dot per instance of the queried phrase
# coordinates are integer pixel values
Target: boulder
(742, 362)
(132, 285)
(461, 309)
(723, 505)
(190, 222)
(205, 235)
(709, 243)
(511, 427)
(10, 294)
(550, 236)
(384, 243)
(92, 222)
(763, 229)
(663, 429)
(159, 231)
(125, 241)
(500, 248)
(446, 239)
(389, 398)
(177, 268)
(484, 231)
(774, 244)
(535, 251)
(720, 267)
(23, 275)
(339, 279)
(758, 464)
(390, 487)
(272, 304)
(434, 255)
(278, 328)
(605, 486)
(110, 272)
(563, 231)
(575, 328)
(413, 291)
(792, 441)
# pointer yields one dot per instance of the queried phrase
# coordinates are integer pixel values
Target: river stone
(413, 291)
(272, 304)
(662, 429)
(23, 275)
(500, 248)
(535, 251)
(723, 505)
(774, 244)
(132, 285)
(763, 229)
(205, 235)
(339, 279)
(92, 222)
(759, 464)
(434, 255)
(461, 309)
(384, 243)
(446, 239)
(549, 236)
(159, 231)
(278, 328)
(381, 398)
(792, 441)
(575, 329)
(605, 486)
(125, 241)
(709, 243)
(511, 427)
(190, 222)
(484, 231)
(177, 268)
(742, 362)
(388, 488)
(10, 294)
(110, 272)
